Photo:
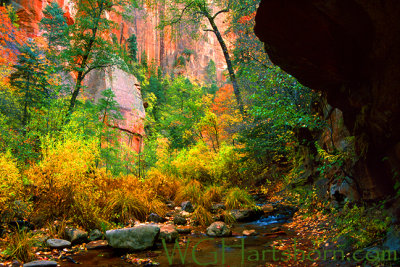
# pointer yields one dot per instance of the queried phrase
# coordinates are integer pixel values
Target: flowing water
(237, 250)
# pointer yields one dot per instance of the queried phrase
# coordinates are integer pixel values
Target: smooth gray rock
(140, 237)
(95, 235)
(58, 243)
(168, 233)
(218, 229)
(76, 236)
(41, 264)
(187, 206)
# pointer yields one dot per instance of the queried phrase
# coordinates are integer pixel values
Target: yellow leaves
(64, 162)
(9, 176)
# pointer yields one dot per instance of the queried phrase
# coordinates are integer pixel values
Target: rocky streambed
(246, 243)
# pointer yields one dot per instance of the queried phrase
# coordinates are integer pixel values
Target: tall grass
(19, 246)
(237, 198)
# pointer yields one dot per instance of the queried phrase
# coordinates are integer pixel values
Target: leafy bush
(11, 187)
(364, 225)
(68, 178)
(195, 163)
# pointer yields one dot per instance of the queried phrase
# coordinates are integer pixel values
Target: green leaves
(55, 26)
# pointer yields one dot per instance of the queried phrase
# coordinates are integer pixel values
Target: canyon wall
(160, 46)
(350, 50)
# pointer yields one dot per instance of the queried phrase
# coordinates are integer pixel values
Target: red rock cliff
(159, 46)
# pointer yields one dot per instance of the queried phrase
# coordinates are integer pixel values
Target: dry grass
(192, 191)
(237, 198)
(202, 216)
(162, 185)
(19, 246)
(214, 193)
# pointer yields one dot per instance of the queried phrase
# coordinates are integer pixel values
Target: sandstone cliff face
(158, 45)
(125, 86)
(164, 48)
(128, 96)
(350, 50)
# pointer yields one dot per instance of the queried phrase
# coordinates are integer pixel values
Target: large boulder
(247, 215)
(76, 236)
(168, 233)
(350, 51)
(218, 229)
(136, 238)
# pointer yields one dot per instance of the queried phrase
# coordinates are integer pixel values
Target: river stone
(250, 232)
(41, 264)
(267, 208)
(170, 204)
(58, 243)
(95, 234)
(247, 215)
(218, 229)
(140, 237)
(184, 230)
(99, 244)
(168, 233)
(76, 236)
(187, 206)
(179, 220)
(154, 217)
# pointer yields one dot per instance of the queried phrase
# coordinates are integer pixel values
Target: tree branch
(221, 11)
(181, 15)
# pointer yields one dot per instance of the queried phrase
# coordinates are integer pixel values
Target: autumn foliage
(10, 39)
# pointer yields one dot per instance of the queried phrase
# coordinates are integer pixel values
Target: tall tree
(196, 12)
(31, 80)
(133, 47)
(55, 25)
(91, 48)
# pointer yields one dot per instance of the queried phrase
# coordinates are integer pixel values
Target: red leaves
(223, 99)
(245, 19)
(10, 38)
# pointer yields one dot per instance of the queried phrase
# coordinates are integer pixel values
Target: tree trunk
(81, 72)
(229, 64)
